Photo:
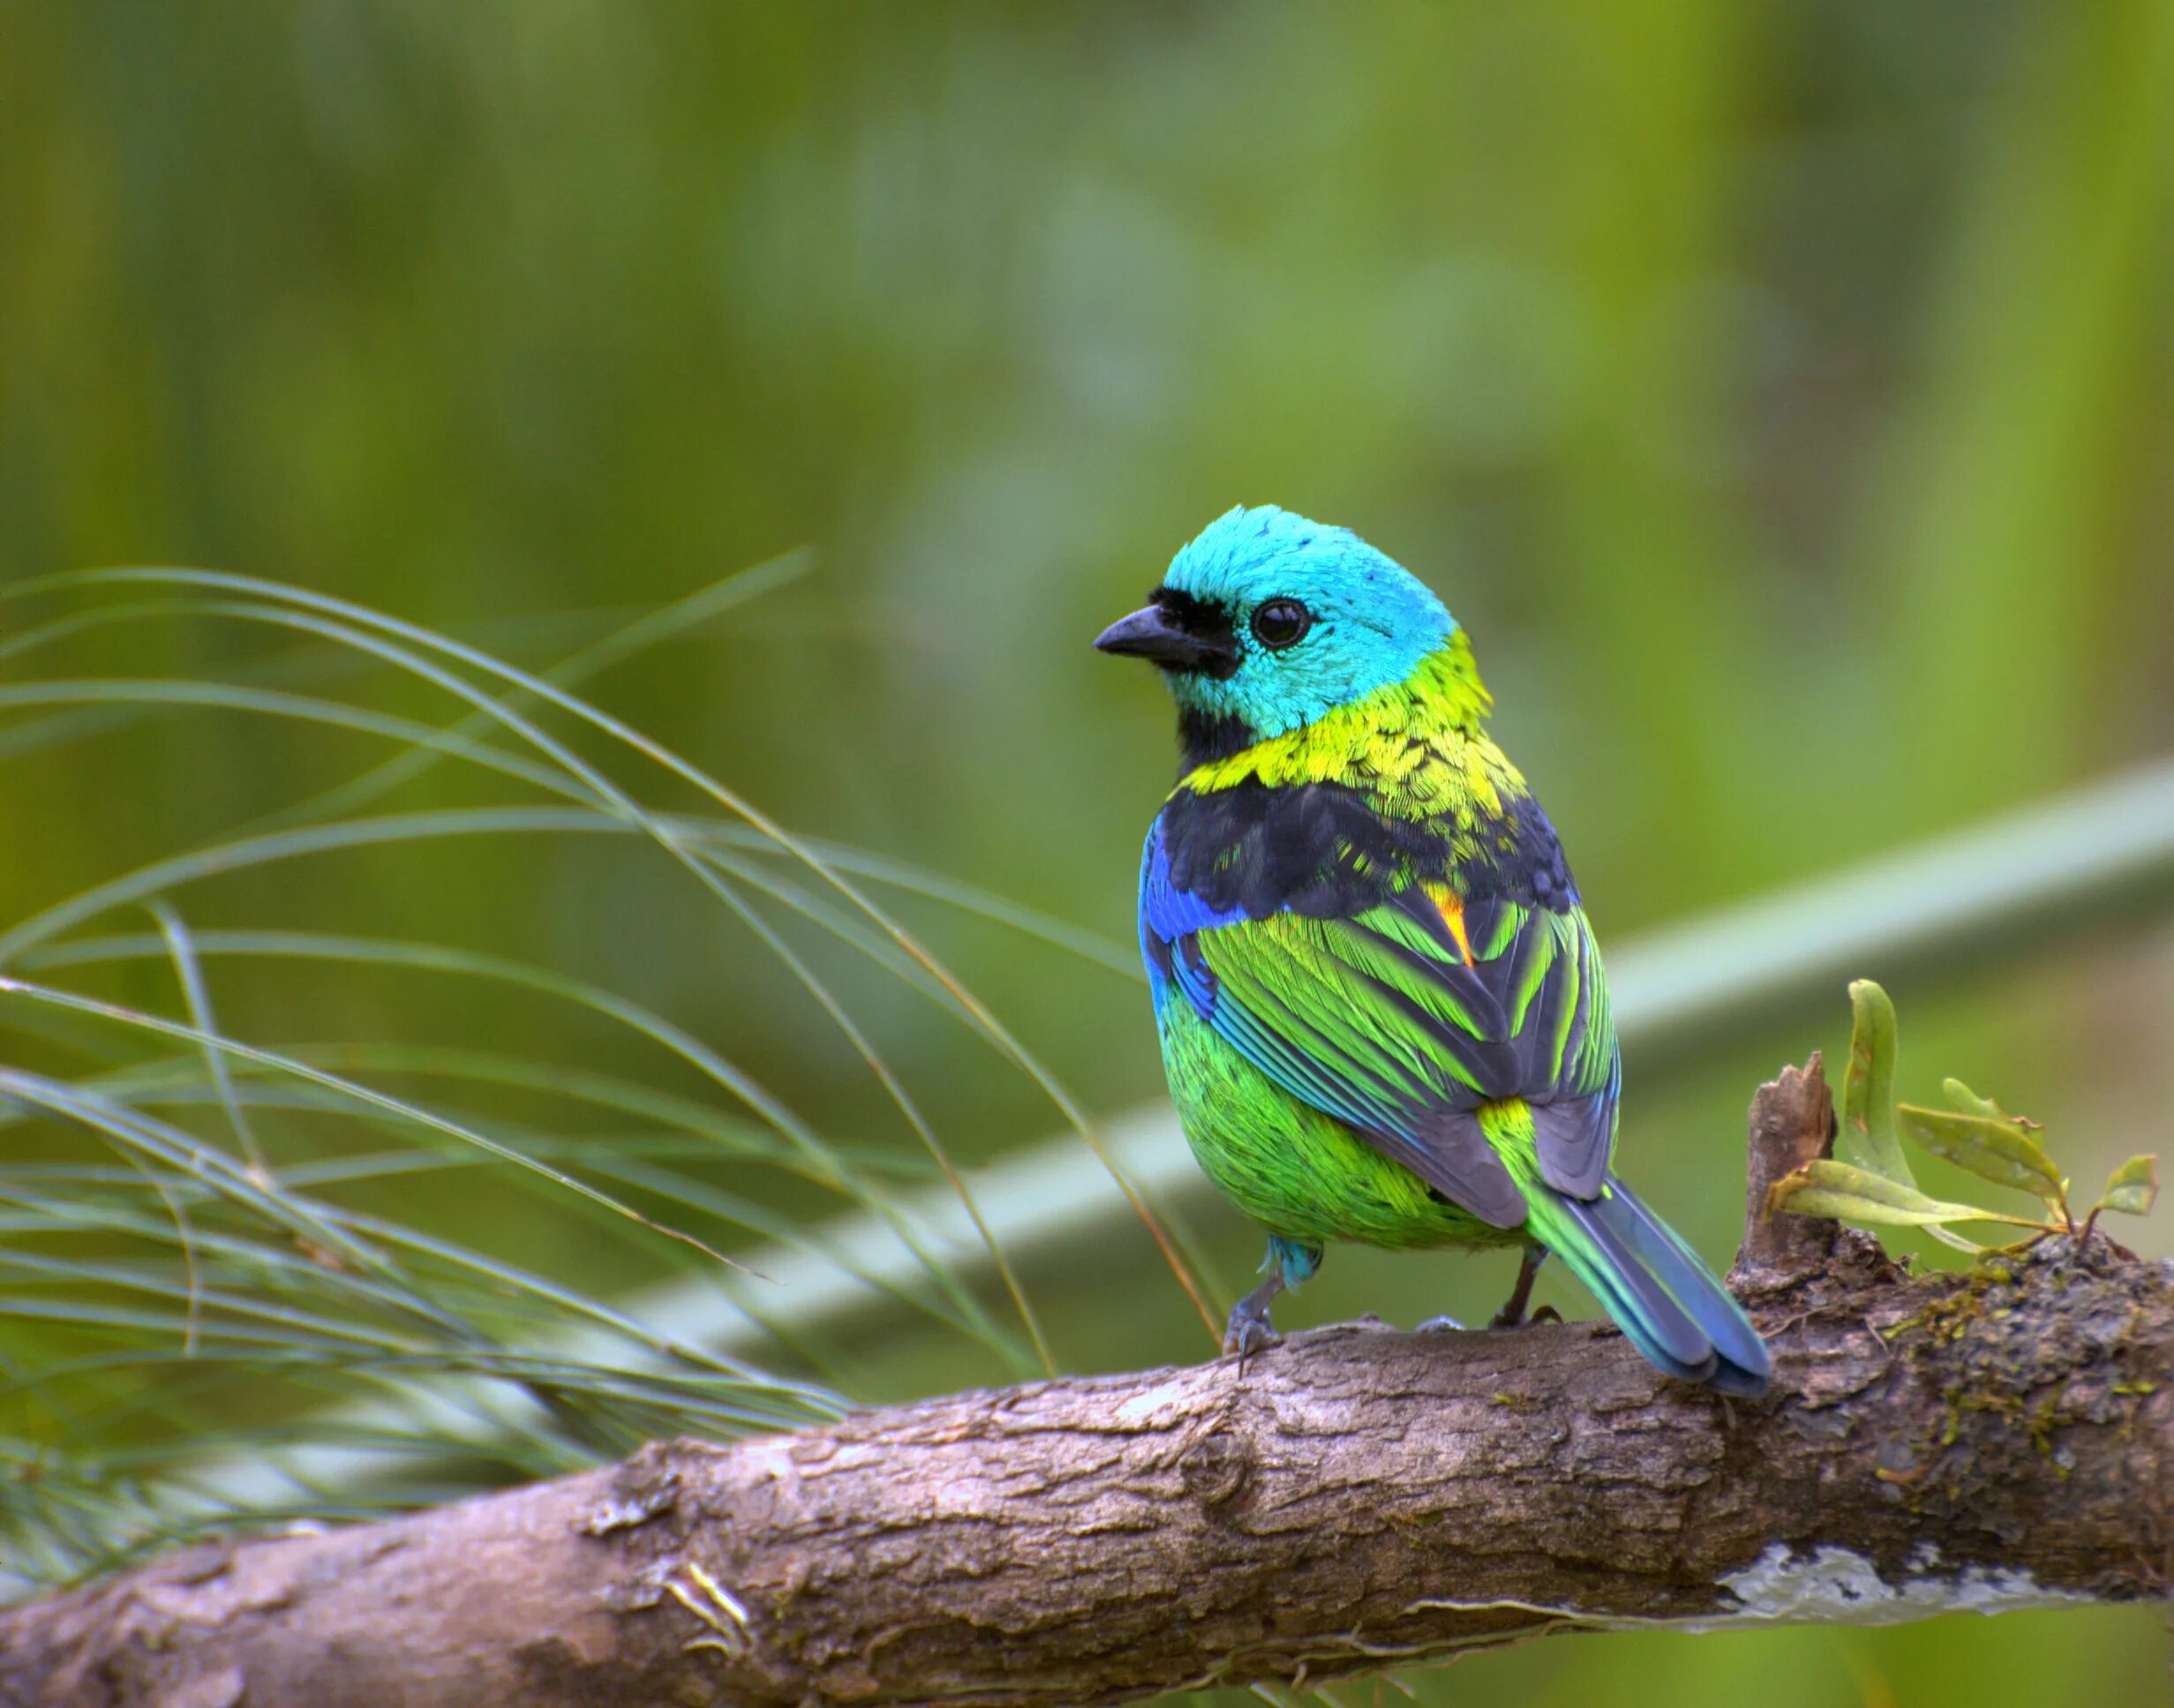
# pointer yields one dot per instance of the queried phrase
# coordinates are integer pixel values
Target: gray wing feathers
(1573, 1139)
(1451, 1154)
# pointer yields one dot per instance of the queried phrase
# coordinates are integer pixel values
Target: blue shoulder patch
(1169, 915)
(1167, 911)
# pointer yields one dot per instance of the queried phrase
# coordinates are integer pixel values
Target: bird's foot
(1249, 1331)
(1506, 1318)
(1512, 1315)
(1439, 1326)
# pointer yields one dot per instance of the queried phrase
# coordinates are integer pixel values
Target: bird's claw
(1505, 1319)
(1249, 1332)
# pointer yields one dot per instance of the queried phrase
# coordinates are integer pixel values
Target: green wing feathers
(1405, 1018)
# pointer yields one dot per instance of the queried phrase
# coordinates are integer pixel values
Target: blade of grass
(824, 1165)
(645, 631)
(363, 1094)
(360, 1231)
(1121, 959)
(693, 1129)
(673, 762)
(270, 702)
(617, 801)
(301, 665)
(190, 974)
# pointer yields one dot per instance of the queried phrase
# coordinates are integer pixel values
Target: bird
(1381, 1005)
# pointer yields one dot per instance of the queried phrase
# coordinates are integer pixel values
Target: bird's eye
(1280, 623)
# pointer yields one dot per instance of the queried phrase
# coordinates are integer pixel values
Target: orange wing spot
(1450, 905)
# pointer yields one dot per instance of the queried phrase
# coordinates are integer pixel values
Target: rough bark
(1354, 1498)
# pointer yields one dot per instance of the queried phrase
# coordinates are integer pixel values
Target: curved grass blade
(121, 690)
(664, 1395)
(363, 1094)
(543, 1304)
(191, 975)
(440, 958)
(700, 1130)
(503, 1282)
(146, 881)
(1007, 1045)
(1121, 959)
(135, 1134)
(176, 870)
(624, 805)
(647, 630)
(311, 663)
(824, 1166)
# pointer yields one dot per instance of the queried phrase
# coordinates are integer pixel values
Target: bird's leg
(1512, 1315)
(1289, 1262)
(1250, 1331)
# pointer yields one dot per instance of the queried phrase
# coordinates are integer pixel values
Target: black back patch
(1326, 851)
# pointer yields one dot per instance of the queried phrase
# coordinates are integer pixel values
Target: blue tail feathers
(1668, 1303)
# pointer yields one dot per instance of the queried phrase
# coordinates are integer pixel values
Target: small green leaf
(1961, 1096)
(1843, 1190)
(1868, 1092)
(2133, 1188)
(1993, 1148)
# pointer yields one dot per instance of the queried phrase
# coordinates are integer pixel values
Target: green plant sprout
(1976, 1134)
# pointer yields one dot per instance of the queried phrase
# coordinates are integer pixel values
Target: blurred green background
(1782, 396)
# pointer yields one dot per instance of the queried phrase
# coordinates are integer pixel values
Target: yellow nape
(1417, 745)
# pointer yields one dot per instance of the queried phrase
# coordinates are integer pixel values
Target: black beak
(1152, 634)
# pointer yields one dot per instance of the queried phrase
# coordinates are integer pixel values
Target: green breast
(1283, 1162)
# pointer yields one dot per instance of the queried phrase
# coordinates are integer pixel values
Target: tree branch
(1355, 1498)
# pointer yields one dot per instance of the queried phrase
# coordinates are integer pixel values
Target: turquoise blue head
(1267, 622)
